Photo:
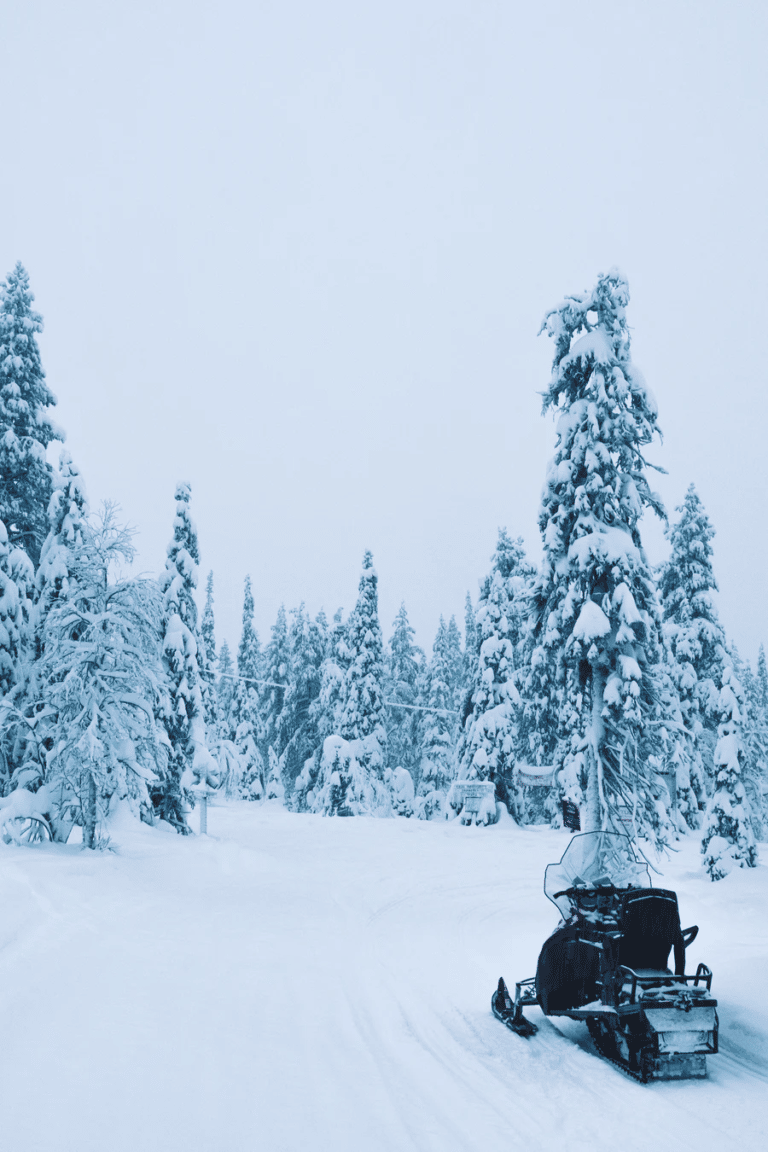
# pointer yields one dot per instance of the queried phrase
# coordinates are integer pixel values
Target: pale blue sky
(298, 254)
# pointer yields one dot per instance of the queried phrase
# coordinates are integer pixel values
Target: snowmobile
(607, 963)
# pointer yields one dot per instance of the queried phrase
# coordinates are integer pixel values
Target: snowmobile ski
(511, 1012)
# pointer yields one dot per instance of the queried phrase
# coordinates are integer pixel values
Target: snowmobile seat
(650, 928)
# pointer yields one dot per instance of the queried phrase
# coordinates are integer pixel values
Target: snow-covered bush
(275, 786)
(400, 782)
(350, 779)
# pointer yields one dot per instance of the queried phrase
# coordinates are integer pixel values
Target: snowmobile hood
(594, 860)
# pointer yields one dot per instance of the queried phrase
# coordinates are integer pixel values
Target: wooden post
(203, 814)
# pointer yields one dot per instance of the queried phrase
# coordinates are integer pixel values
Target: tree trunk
(594, 813)
(89, 813)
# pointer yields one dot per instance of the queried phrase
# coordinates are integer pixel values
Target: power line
(389, 703)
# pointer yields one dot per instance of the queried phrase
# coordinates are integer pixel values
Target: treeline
(616, 677)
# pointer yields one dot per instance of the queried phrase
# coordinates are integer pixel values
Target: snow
(592, 623)
(294, 982)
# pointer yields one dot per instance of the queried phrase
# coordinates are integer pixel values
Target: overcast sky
(298, 254)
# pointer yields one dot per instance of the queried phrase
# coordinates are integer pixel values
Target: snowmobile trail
(292, 982)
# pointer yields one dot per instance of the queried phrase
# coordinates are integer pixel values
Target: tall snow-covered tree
(596, 622)
(728, 839)
(245, 706)
(347, 774)
(226, 682)
(439, 728)
(403, 668)
(67, 520)
(208, 625)
(190, 762)
(276, 666)
(762, 681)
(206, 659)
(297, 729)
(489, 729)
(363, 714)
(470, 643)
(11, 619)
(455, 658)
(693, 634)
(26, 428)
(754, 737)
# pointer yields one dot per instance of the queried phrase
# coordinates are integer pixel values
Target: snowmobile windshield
(594, 860)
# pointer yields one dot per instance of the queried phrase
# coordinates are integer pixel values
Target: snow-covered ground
(299, 983)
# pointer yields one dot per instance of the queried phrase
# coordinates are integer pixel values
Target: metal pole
(203, 815)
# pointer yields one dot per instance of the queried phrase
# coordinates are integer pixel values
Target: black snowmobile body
(607, 964)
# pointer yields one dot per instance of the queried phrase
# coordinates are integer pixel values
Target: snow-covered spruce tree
(363, 714)
(438, 729)
(276, 665)
(297, 728)
(762, 682)
(55, 579)
(101, 683)
(207, 659)
(470, 645)
(596, 623)
(486, 748)
(728, 838)
(11, 620)
(455, 658)
(226, 681)
(190, 761)
(325, 710)
(26, 429)
(360, 746)
(67, 520)
(754, 736)
(403, 667)
(244, 711)
(694, 638)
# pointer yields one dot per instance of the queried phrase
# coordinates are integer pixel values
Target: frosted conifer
(26, 429)
(67, 518)
(307, 641)
(244, 711)
(190, 761)
(693, 633)
(225, 686)
(276, 665)
(595, 641)
(470, 643)
(325, 710)
(403, 668)
(11, 619)
(762, 682)
(728, 839)
(439, 729)
(347, 775)
(208, 625)
(363, 714)
(487, 741)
